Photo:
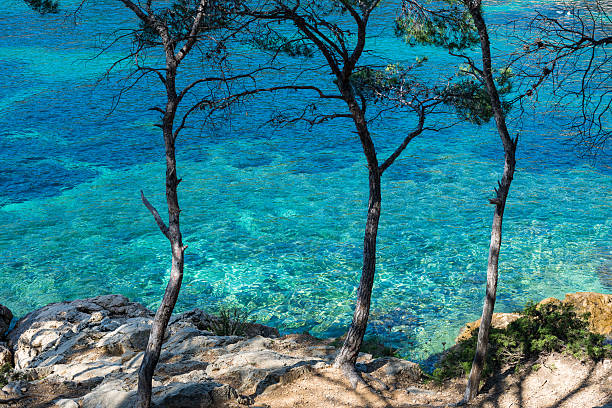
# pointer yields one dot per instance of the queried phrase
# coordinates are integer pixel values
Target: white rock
(66, 403)
(6, 356)
(110, 394)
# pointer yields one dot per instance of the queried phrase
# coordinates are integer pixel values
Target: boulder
(499, 321)
(5, 319)
(65, 403)
(206, 322)
(196, 395)
(112, 393)
(394, 372)
(66, 332)
(599, 307)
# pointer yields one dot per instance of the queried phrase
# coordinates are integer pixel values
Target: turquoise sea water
(274, 218)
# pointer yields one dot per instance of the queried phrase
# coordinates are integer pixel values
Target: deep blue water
(274, 217)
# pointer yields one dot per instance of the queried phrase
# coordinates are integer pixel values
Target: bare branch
(160, 223)
(407, 140)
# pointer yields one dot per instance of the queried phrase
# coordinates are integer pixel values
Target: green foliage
(392, 81)
(277, 42)
(179, 18)
(471, 99)
(376, 347)
(231, 321)
(372, 345)
(5, 374)
(449, 26)
(43, 6)
(540, 330)
(370, 80)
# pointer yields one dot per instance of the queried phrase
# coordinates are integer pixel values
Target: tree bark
(173, 233)
(347, 356)
(500, 203)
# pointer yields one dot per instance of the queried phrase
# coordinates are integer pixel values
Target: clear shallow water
(274, 218)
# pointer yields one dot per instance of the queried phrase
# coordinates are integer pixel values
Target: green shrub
(373, 345)
(5, 374)
(541, 329)
(231, 321)
(376, 347)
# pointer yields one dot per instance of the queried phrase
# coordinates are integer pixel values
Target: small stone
(97, 317)
(66, 403)
(15, 388)
(414, 390)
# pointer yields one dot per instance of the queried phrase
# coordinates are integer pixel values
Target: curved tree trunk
(347, 356)
(173, 233)
(158, 329)
(500, 204)
(160, 322)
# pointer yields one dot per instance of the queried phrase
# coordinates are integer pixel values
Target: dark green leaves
(43, 6)
(449, 26)
(470, 98)
(179, 18)
(280, 43)
(541, 329)
(391, 82)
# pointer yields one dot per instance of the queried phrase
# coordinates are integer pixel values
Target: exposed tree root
(352, 375)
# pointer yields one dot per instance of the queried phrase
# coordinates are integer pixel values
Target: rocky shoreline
(86, 353)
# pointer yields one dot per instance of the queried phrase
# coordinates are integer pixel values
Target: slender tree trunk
(500, 204)
(173, 233)
(347, 357)
(158, 329)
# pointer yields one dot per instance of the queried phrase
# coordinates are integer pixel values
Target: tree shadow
(366, 395)
(495, 392)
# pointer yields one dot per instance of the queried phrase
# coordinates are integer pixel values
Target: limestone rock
(65, 403)
(188, 391)
(205, 322)
(58, 332)
(499, 321)
(6, 356)
(598, 305)
(110, 394)
(129, 336)
(394, 372)
(15, 389)
(5, 319)
(196, 395)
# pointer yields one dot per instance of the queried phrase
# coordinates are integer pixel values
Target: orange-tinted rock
(498, 321)
(599, 306)
(549, 300)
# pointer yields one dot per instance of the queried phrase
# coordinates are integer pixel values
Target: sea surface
(274, 216)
